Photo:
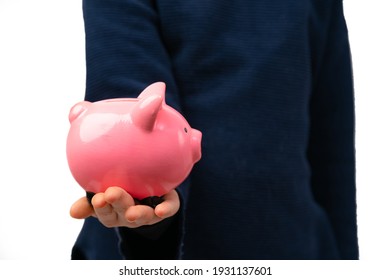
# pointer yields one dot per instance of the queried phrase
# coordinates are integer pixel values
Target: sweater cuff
(158, 241)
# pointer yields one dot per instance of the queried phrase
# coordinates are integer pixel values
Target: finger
(81, 209)
(141, 215)
(119, 199)
(169, 206)
(104, 211)
(98, 201)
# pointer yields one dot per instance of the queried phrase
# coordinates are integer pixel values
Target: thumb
(81, 209)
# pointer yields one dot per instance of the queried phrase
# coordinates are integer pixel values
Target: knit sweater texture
(269, 84)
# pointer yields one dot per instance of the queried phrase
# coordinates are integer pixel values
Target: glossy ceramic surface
(140, 144)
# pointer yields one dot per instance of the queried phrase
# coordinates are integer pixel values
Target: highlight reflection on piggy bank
(139, 144)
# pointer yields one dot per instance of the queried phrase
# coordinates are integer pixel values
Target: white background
(42, 74)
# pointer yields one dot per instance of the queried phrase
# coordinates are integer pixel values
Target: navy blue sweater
(269, 84)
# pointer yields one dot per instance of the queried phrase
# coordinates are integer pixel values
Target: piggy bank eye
(185, 130)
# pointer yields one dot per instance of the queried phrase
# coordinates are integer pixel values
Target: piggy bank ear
(154, 89)
(77, 110)
(145, 112)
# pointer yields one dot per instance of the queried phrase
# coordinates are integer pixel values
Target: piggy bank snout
(196, 139)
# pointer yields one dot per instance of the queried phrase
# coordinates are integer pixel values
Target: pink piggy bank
(139, 144)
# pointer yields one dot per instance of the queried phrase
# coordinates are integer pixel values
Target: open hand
(116, 208)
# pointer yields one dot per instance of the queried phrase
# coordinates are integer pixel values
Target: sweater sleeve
(124, 54)
(331, 150)
(124, 50)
